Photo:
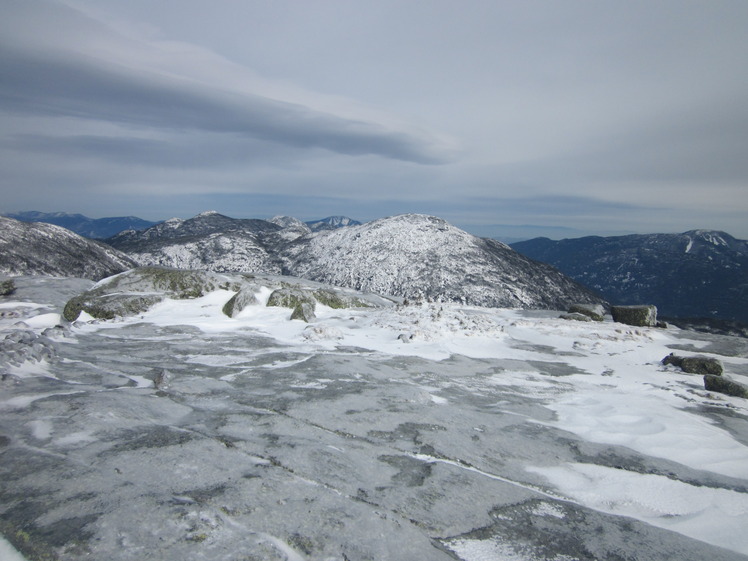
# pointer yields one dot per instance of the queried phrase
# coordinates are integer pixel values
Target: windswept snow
(480, 434)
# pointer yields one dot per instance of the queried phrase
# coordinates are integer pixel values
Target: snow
(8, 552)
(716, 516)
(477, 410)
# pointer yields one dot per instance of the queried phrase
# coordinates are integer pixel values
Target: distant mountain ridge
(331, 223)
(94, 228)
(46, 249)
(412, 256)
(699, 273)
(103, 228)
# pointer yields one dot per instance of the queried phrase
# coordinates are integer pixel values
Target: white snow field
(480, 434)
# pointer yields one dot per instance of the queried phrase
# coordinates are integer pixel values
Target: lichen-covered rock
(299, 300)
(135, 291)
(695, 364)
(639, 316)
(110, 306)
(288, 297)
(574, 316)
(595, 312)
(304, 312)
(338, 299)
(7, 287)
(724, 385)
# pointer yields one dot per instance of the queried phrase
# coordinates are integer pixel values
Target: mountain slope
(45, 249)
(418, 256)
(700, 273)
(207, 241)
(97, 228)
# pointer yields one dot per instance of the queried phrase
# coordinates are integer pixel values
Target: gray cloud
(51, 78)
(602, 116)
(88, 89)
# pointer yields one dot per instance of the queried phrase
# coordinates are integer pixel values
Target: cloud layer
(602, 118)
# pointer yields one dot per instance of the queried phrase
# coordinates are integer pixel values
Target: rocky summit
(417, 256)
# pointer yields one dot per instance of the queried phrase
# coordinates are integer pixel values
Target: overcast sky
(509, 118)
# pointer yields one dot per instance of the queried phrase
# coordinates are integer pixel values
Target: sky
(512, 119)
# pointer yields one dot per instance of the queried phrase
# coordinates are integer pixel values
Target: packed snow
(429, 431)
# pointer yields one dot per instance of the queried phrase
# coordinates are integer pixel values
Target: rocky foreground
(199, 422)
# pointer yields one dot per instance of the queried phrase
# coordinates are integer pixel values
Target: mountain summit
(419, 256)
(332, 223)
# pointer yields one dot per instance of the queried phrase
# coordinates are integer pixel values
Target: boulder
(574, 316)
(695, 364)
(7, 287)
(245, 297)
(639, 316)
(724, 385)
(595, 312)
(135, 291)
(299, 300)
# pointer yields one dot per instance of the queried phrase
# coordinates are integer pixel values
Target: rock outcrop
(137, 290)
(595, 312)
(639, 316)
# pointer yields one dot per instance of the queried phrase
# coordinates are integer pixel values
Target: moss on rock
(7, 287)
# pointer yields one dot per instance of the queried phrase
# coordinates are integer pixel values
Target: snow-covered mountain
(45, 249)
(417, 256)
(178, 430)
(331, 223)
(411, 256)
(700, 273)
(208, 241)
(95, 228)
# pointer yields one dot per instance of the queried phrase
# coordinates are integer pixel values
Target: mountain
(95, 228)
(700, 273)
(208, 241)
(46, 249)
(410, 256)
(292, 228)
(332, 223)
(417, 256)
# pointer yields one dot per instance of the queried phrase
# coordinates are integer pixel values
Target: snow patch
(715, 516)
